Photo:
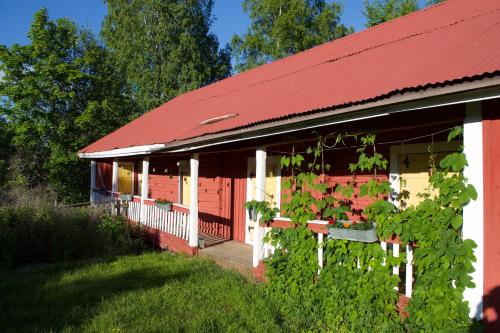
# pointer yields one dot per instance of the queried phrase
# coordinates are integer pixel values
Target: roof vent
(217, 119)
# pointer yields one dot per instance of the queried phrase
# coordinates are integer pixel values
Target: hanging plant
(264, 208)
(354, 231)
(163, 204)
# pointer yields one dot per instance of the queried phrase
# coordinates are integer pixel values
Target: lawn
(151, 292)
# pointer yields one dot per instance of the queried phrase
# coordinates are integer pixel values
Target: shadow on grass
(60, 296)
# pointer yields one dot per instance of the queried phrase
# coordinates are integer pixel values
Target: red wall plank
(491, 151)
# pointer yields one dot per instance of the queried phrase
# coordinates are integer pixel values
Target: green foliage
(292, 275)
(5, 148)
(282, 28)
(163, 201)
(442, 258)
(267, 213)
(59, 94)
(164, 47)
(50, 234)
(340, 224)
(380, 11)
(355, 290)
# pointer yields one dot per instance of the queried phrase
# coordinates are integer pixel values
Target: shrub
(355, 290)
(46, 233)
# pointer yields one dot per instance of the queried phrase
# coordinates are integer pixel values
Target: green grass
(152, 292)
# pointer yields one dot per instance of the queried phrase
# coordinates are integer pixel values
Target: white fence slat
(384, 248)
(320, 251)
(173, 222)
(409, 271)
(395, 253)
(176, 224)
(169, 223)
(163, 215)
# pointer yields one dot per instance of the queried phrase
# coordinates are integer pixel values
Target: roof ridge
(399, 18)
(338, 58)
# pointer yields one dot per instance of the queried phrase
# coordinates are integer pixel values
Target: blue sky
(16, 16)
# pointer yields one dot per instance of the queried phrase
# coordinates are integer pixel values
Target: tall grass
(38, 231)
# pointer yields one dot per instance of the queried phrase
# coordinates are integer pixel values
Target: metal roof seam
(415, 35)
(437, 54)
(333, 107)
(336, 59)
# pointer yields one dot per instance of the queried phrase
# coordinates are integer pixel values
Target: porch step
(232, 255)
(211, 240)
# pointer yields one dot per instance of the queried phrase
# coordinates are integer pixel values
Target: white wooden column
(260, 195)
(93, 173)
(144, 188)
(473, 223)
(194, 163)
(114, 184)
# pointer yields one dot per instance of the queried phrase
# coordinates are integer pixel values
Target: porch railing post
(260, 195)
(93, 172)
(114, 183)
(473, 214)
(193, 202)
(144, 188)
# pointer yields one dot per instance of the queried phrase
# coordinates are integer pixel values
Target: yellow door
(271, 185)
(125, 177)
(414, 171)
(271, 191)
(186, 188)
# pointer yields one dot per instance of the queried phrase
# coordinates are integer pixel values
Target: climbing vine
(442, 258)
(356, 290)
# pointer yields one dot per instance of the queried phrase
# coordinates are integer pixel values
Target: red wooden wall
(211, 191)
(491, 152)
(221, 190)
(235, 171)
(163, 179)
(222, 176)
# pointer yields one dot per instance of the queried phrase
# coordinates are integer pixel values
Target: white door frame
(133, 174)
(252, 161)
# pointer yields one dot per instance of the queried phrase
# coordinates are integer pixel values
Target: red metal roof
(453, 40)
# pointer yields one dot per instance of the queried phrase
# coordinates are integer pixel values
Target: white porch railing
(406, 287)
(134, 211)
(172, 222)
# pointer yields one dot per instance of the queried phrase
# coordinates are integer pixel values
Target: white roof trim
(119, 152)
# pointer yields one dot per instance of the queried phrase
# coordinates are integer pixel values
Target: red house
(410, 80)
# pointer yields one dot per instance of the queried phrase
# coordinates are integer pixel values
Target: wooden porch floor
(211, 240)
(230, 254)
